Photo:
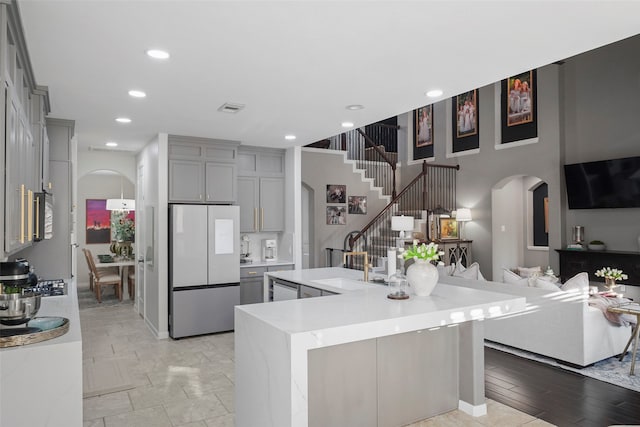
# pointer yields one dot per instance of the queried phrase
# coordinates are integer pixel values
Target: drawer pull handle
(253, 273)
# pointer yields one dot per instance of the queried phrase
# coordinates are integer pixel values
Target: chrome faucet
(366, 262)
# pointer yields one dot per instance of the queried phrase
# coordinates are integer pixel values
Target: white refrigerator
(204, 268)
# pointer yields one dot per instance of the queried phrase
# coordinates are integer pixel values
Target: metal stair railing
(370, 155)
(433, 188)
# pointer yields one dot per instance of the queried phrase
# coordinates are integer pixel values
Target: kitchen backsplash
(285, 244)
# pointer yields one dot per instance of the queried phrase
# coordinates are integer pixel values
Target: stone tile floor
(190, 382)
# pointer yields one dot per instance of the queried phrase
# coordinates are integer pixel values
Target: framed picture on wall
(422, 133)
(448, 228)
(357, 205)
(519, 107)
(336, 215)
(465, 115)
(336, 193)
(98, 223)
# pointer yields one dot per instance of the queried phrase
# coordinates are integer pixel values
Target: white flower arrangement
(423, 251)
(611, 273)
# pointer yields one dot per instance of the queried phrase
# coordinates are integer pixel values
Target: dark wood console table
(574, 261)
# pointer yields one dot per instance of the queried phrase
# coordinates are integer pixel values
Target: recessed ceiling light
(289, 137)
(354, 107)
(434, 93)
(158, 54)
(123, 120)
(347, 124)
(111, 144)
(137, 93)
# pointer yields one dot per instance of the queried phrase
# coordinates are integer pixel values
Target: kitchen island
(359, 358)
(41, 383)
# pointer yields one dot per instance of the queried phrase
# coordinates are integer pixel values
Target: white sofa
(556, 324)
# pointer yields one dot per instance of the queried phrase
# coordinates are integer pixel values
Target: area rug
(609, 370)
(104, 377)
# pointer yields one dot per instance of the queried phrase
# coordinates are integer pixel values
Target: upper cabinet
(202, 170)
(23, 136)
(261, 189)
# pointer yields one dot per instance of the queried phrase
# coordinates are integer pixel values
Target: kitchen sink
(342, 283)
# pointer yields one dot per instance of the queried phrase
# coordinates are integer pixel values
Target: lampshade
(121, 205)
(402, 223)
(463, 214)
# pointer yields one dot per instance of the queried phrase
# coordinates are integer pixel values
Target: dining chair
(103, 277)
(131, 282)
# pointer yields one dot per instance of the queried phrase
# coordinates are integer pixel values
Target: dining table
(123, 265)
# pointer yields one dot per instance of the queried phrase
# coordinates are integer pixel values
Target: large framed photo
(336, 193)
(336, 215)
(519, 107)
(448, 228)
(423, 133)
(465, 115)
(98, 223)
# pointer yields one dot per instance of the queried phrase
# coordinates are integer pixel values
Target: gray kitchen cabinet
(248, 196)
(186, 181)
(202, 170)
(261, 189)
(342, 385)
(261, 201)
(406, 362)
(251, 285)
(220, 182)
(254, 161)
(389, 381)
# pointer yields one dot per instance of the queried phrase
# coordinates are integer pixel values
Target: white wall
(507, 225)
(153, 157)
(323, 167)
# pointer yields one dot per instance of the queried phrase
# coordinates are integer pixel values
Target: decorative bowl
(596, 247)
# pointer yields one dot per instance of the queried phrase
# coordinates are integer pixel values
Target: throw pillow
(445, 270)
(529, 271)
(578, 283)
(512, 278)
(544, 284)
(471, 272)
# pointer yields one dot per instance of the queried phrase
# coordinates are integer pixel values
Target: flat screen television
(604, 184)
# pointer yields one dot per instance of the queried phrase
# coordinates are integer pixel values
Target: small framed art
(357, 205)
(448, 228)
(336, 193)
(336, 215)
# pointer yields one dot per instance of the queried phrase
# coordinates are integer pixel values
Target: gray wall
(587, 110)
(602, 110)
(480, 173)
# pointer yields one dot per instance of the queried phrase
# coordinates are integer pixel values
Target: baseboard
(159, 335)
(473, 410)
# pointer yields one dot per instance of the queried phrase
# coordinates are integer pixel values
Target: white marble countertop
(272, 340)
(48, 372)
(260, 263)
(58, 306)
(363, 304)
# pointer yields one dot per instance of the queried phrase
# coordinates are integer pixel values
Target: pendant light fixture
(121, 204)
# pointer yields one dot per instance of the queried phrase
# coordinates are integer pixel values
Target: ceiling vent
(228, 107)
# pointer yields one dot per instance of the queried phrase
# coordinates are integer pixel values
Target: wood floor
(555, 395)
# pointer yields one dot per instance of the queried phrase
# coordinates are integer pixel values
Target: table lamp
(463, 215)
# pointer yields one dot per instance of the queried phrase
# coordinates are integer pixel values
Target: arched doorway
(96, 185)
(520, 227)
